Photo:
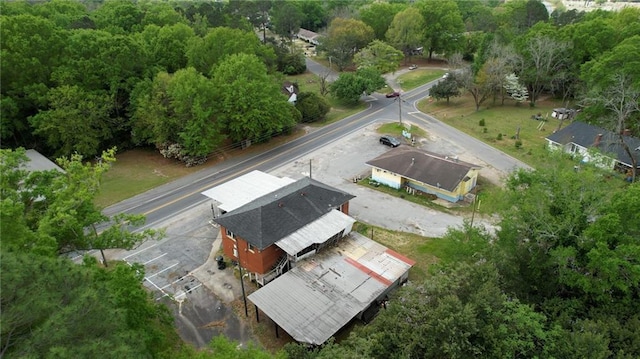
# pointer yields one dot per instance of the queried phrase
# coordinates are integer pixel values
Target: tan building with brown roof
(419, 170)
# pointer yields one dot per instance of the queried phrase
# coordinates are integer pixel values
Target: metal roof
(427, 167)
(320, 295)
(244, 189)
(38, 162)
(316, 232)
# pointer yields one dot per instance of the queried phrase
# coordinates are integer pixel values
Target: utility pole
(244, 296)
(400, 109)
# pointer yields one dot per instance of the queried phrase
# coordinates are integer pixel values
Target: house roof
(244, 189)
(308, 35)
(320, 295)
(427, 167)
(585, 135)
(316, 232)
(273, 216)
(38, 162)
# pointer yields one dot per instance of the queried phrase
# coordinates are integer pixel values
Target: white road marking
(153, 284)
(151, 260)
(175, 281)
(189, 290)
(164, 270)
(140, 251)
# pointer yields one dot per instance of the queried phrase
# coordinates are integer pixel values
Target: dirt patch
(216, 324)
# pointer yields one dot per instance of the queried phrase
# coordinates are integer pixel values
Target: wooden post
(257, 314)
(276, 326)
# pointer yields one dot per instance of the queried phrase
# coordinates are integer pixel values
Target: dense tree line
(82, 77)
(53, 307)
(77, 77)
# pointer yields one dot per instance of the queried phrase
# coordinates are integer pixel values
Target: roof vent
(280, 204)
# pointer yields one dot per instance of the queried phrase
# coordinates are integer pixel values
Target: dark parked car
(389, 141)
(393, 94)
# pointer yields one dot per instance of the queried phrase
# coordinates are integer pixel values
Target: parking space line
(140, 251)
(174, 282)
(189, 290)
(153, 284)
(151, 260)
(164, 270)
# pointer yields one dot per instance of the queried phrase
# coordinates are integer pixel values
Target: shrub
(481, 123)
(484, 130)
(499, 138)
(518, 144)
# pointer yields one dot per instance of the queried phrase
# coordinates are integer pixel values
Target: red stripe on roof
(369, 272)
(400, 257)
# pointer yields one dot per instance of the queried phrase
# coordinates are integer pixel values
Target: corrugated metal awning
(320, 295)
(317, 232)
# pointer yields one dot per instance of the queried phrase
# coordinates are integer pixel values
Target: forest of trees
(560, 278)
(190, 77)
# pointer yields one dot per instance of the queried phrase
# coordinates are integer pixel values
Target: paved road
(166, 201)
(177, 268)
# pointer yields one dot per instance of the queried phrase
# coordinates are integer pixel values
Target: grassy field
(497, 125)
(139, 170)
(412, 79)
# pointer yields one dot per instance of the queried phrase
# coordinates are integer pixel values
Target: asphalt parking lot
(181, 272)
(339, 162)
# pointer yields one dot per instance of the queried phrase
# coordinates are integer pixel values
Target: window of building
(230, 234)
(251, 247)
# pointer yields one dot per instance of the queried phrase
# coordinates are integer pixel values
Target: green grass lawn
(395, 129)
(506, 120)
(136, 171)
(412, 79)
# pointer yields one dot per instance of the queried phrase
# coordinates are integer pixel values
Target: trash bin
(221, 264)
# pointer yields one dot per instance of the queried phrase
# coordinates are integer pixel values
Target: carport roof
(427, 167)
(320, 295)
